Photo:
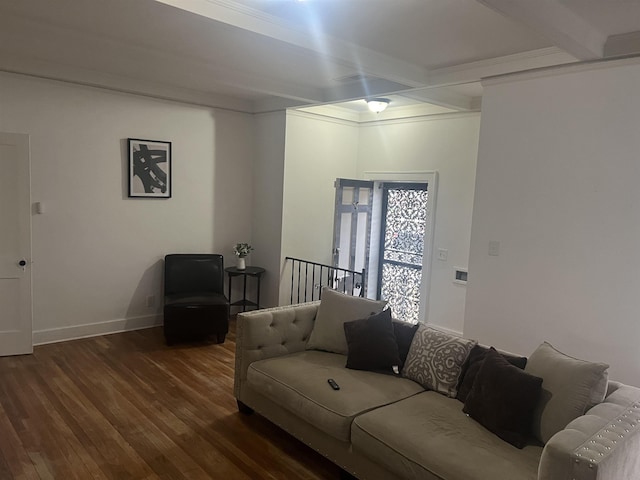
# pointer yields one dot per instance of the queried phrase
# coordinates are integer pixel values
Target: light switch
(494, 248)
(443, 253)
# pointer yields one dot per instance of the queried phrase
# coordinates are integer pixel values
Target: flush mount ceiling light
(377, 105)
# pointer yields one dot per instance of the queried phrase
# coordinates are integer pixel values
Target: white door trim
(431, 178)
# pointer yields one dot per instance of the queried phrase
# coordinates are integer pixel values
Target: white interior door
(15, 245)
(352, 230)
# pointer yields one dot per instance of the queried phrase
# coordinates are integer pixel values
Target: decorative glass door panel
(404, 215)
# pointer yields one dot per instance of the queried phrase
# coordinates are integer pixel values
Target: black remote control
(333, 384)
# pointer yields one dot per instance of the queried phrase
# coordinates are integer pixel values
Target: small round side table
(255, 272)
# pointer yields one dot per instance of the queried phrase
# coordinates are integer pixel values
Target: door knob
(22, 263)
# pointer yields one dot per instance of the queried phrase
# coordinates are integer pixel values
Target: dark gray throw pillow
(503, 399)
(404, 333)
(472, 367)
(372, 343)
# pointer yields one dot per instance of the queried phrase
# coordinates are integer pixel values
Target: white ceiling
(261, 55)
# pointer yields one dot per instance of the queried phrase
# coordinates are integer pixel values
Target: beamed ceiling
(263, 55)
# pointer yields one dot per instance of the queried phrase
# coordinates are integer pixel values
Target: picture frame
(150, 165)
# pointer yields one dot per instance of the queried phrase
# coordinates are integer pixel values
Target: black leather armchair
(195, 306)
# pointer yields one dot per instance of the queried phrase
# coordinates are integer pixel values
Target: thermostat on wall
(460, 275)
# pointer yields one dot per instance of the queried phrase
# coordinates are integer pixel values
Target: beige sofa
(381, 426)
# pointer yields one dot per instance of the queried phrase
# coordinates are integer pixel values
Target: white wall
(318, 150)
(268, 177)
(557, 186)
(97, 254)
(446, 144)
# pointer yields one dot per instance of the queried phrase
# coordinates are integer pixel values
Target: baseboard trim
(62, 334)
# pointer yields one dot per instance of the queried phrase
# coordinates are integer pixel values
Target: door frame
(431, 179)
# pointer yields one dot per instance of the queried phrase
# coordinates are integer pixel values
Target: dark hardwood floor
(126, 406)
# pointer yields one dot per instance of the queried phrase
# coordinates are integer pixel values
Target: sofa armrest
(603, 444)
(271, 332)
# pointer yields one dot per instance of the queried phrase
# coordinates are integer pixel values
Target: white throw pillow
(335, 309)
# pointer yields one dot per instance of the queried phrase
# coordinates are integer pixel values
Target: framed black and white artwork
(149, 168)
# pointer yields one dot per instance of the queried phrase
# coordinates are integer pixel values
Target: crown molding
(342, 116)
(88, 78)
(474, 71)
(562, 70)
(420, 118)
(327, 113)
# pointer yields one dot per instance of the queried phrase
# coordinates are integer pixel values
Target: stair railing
(308, 278)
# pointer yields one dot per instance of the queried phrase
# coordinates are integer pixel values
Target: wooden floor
(126, 406)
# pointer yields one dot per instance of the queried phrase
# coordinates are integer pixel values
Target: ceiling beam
(443, 98)
(361, 60)
(554, 21)
(518, 62)
(63, 43)
(274, 104)
(367, 88)
(623, 44)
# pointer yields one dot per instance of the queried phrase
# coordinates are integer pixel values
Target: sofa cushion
(335, 309)
(435, 359)
(473, 364)
(569, 388)
(298, 383)
(503, 399)
(372, 343)
(427, 436)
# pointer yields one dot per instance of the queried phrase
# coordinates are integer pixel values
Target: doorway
(386, 226)
(15, 245)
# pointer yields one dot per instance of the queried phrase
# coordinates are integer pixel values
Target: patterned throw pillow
(435, 359)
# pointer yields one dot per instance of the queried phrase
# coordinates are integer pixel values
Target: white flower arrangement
(242, 249)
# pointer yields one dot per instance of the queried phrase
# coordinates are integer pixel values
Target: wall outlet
(151, 300)
(443, 253)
